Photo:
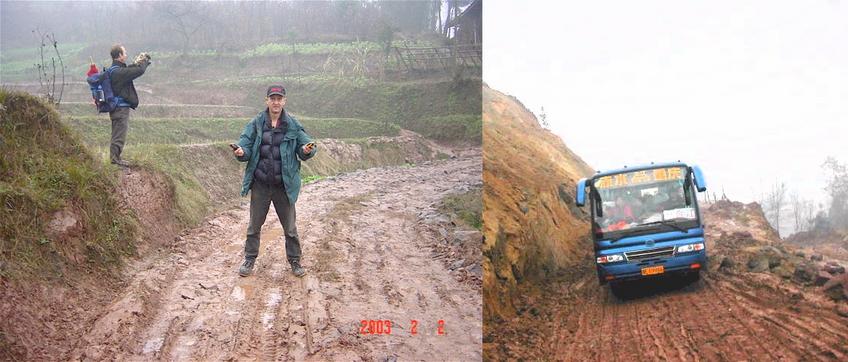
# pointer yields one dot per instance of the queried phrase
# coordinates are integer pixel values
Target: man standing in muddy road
(273, 144)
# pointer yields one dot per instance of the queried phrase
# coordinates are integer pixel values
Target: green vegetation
(347, 128)
(467, 207)
(310, 48)
(238, 81)
(396, 102)
(322, 88)
(170, 111)
(312, 178)
(370, 153)
(285, 48)
(96, 131)
(46, 169)
(204, 177)
(453, 128)
(327, 96)
(19, 63)
(31, 54)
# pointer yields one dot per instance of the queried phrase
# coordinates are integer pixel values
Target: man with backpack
(122, 76)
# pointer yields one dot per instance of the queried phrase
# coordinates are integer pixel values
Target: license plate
(653, 270)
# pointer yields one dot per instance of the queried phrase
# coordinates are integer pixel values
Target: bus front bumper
(622, 271)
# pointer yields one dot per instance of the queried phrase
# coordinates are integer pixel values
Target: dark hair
(116, 51)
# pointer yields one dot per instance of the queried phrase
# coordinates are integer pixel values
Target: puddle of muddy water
(153, 345)
(268, 234)
(274, 298)
(242, 291)
(267, 317)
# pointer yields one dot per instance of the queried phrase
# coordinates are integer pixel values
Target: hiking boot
(246, 267)
(121, 163)
(297, 270)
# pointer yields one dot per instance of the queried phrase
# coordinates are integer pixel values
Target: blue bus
(646, 221)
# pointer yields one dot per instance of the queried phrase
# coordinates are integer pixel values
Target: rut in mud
(369, 256)
(719, 318)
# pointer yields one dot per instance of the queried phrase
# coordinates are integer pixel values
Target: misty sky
(753, 93)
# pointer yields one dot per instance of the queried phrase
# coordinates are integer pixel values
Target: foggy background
(754, 93)
(223, 25)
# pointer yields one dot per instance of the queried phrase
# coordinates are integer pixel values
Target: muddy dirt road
(722, 318)
(368, 256)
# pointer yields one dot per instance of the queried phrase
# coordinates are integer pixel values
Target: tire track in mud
(641, 352)
(794, 327)
(367, 255)
(683, 351)
(566, 342)
(828, 330)
(710, 319)
(705, 341)
(748, 321)
(389, 275)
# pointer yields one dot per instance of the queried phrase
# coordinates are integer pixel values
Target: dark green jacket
(291, 151)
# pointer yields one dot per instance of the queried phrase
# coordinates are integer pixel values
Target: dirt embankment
(823, 241)
(372, 241)
(62, 230)
(337, 156)
(531, 227)
(43, 319)
(743, 242)
(759, 299)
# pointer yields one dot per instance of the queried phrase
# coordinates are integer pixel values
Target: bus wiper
(666, 223)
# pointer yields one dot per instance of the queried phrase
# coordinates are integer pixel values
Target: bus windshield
(645, 197)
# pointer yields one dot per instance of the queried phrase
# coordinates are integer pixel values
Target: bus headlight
(610, 258)
(690, 247)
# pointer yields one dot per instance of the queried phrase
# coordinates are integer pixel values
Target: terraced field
(372, 181)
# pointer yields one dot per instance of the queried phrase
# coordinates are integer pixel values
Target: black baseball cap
(276, 89)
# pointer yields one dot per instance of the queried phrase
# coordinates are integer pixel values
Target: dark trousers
(120, 122)
(261, 196)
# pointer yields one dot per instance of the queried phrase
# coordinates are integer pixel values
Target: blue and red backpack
(100, 84)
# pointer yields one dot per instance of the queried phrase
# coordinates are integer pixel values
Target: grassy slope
(18, 62)
(205, 177)
(397, 102)
(451, 129)
(96, 130)
(46, 169)
(239, 78)
(466, 206)
(441, 109)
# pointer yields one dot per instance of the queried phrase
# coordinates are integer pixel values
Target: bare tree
(186, 18)
(773, 203)
(543, 119)
(47, 73)
(809, 214)
(798, 207)
(837, 190)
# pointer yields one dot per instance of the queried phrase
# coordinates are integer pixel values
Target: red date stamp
(370, 326)
(384, 327)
